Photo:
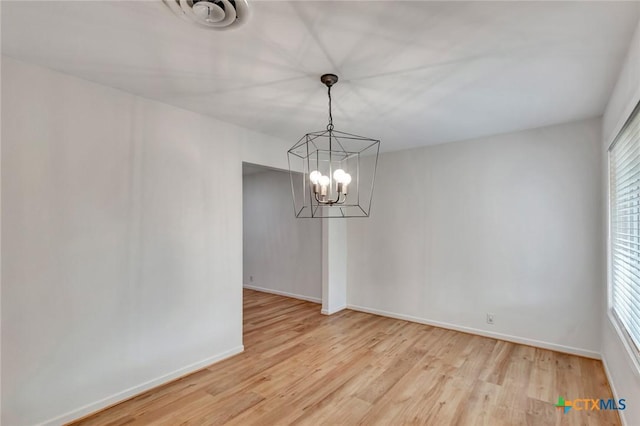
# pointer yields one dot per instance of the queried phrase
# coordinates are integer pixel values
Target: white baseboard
(613, 390)
(138, 389)
(283, 293)
(515, 339)
(333, 311)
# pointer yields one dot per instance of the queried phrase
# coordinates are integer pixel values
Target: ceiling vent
(214, 14)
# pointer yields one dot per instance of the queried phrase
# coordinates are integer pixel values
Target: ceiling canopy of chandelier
(333, 172)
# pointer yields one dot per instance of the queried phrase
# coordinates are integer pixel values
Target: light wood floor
(353, 368)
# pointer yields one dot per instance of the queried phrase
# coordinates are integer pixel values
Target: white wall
(334, 265)
(282, 254)
(121, 241)
(624, 375)
(506, 225)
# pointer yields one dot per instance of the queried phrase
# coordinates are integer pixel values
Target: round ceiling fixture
(214, 14)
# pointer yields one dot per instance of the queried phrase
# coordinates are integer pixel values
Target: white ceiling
(411, 73)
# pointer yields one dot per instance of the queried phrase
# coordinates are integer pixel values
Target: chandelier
(332, 172)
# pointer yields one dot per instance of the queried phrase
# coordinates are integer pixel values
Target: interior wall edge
(499, 336)
(621, 102)
(334, 310)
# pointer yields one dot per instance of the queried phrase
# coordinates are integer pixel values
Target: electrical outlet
(490, 319)
(250, 278)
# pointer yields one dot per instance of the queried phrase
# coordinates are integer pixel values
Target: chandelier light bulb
(338, 175)
(315, 176)
(346, 179)
(324, 180)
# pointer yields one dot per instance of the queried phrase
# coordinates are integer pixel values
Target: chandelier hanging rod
(329, 80)
(319, 183)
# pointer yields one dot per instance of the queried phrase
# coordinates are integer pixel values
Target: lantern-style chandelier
(333, 172)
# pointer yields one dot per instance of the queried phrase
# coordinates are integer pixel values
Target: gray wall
(507, 225)
(121, 240)
(282, 254)
(623, 369)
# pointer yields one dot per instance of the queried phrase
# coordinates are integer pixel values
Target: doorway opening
(281, 255)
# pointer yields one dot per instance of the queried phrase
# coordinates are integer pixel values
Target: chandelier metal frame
(349, 161)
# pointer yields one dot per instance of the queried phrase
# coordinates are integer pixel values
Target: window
(624, 228)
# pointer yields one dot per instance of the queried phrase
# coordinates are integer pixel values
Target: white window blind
(624, 180)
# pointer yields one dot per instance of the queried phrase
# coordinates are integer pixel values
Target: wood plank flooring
(301, 367)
